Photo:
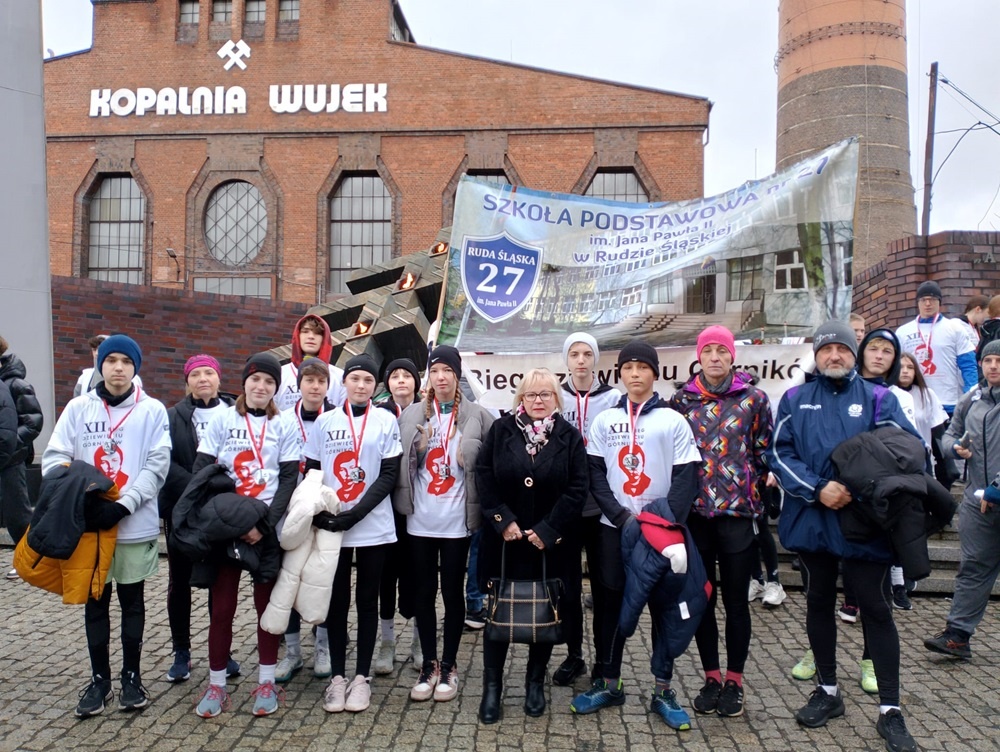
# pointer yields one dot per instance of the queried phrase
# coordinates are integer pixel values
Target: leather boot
(489, 707)
(534, 685)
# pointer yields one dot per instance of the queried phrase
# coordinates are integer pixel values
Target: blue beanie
(119, 343)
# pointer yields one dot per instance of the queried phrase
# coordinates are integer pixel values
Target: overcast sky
(722, 50)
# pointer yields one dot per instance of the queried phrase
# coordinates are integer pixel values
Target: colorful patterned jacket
(733, 431)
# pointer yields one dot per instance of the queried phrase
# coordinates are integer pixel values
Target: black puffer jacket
(29, 412)
(66, 496)
(8, 426)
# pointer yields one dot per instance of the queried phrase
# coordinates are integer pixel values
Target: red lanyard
(446, 436)
(111, 431)
(927, 340)
(632, 421)
(257, 444)
(581, 415)
(356, 439)
(298, 417)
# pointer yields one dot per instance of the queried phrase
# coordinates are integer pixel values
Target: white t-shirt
(301, 430)
(439, 488)
(117, 441)
(202, 416)
(251, 448)
(928, 410)
(582, 409)
(641, 473)
(937, 347)
(288, 390)
(350, 451)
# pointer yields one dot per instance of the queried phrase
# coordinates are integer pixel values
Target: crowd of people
(326, 497)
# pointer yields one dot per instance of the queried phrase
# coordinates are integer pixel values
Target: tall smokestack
(842, 72)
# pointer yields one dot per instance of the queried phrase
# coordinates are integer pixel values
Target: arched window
(617, 185)
(360, 227)
(116, 247)
(235, 223)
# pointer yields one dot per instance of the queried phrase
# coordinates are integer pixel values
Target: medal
(630, 461)
(259, 477)
(444, 471)
(632, 456)
(356, 474)
(111, 446)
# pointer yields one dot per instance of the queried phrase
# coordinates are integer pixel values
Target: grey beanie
(585, 339)
(991, 348)
(835, 331)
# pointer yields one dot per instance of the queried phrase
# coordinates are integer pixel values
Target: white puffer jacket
(310, 559)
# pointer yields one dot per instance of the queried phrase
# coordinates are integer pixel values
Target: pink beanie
(201, 361)
(717, 335)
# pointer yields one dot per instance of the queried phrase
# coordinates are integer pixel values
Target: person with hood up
(310, 338)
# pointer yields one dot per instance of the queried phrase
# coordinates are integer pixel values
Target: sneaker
(427, 681)
(820, 708)
(359, 694)
(756, 590)
(335, 696)
(213, 701)
(774, 595)
(950, 643)
(181, 670)
(868, 681)
(600, 695)
(288, 667)
(133, 695)
(232, 668)
(386, 657)
(900, 598)
(447, 686)
(13, 575)
(475, 619)
(416, 653)
(266, 698)
(805, 669)
(849, 613)
(588, 601)
(731, 700)
(707, 700)
(322, 667)
(94, 697)
(665, 705)
(892, 727)
(573, 667)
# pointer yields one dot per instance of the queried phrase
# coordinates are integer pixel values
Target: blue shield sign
(499, 274)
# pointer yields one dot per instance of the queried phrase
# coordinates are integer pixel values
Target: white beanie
(585, 339)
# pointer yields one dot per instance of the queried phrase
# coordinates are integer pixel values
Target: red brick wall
(169, 325)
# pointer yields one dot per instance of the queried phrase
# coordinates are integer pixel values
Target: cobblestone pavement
(43, 664)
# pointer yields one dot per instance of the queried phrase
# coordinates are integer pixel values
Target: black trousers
(15, 507)
(97, 618)
(452, 554)
(768, 551)
(607, 580)
(586, 536)
(369, 574)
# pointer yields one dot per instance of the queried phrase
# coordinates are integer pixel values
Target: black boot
(489, 708)
(534, 686)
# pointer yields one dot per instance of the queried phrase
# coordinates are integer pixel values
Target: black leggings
(179, 569)
(607, 581)
(97, 618)
(586, 536)
(872, 586)
(768, 551)
(453, 554)
(370, 560)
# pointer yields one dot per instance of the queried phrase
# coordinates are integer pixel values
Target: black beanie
(446, 355)
(262, 362)
(639, 352)
(406, 364)
(929, 289)
(362, 362)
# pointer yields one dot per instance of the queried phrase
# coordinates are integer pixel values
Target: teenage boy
(639, 451)
(310, 338)
(402, 379)
(584, 398)
(118, 420)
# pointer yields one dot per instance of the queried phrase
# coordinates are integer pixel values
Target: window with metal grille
(617, 185)
(288, 10)
(115, 249)
(254, 12)
(190, 11)
(235, 223)
(222, 10)
(360, 227)
(251, 287)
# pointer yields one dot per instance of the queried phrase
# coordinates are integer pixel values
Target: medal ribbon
(258, 445)
(118, 425)
(356, 439)
(446, 436)
(633, 420)
(927, 340)
(298, 417)
(581, 415)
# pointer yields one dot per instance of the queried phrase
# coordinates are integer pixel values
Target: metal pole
(925, 217)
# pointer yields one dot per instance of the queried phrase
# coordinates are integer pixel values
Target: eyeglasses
(544, 396)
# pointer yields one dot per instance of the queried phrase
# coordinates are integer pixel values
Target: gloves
(333, 523)
(668, 542)
(992, 493)
(110, 514)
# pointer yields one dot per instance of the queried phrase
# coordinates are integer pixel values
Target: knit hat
(832, 332)
(640, 352)
(990, 348)
(401, 363)
(446, 355)
(262, 362)
(201, 361)
(929, 289)
(119, 343)
(585, 339)
(362, 362)
(716, 335)
(312, 364)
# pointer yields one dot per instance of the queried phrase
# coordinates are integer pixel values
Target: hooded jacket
(891, 377)
(29, 412)
(325, 348)
(8, 427)
(978, 414)
(988, 331)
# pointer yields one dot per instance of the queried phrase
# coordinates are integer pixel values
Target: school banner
(769, 259)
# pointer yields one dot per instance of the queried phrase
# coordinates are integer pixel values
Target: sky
(723, 50)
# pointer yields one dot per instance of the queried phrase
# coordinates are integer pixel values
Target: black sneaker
(93, 697)
(707, 700)
(731, 700)
(950, 643)
(133, 695)
(900, 599)
(475, 619)
(569, 670)
(892, 727)
(820, 708)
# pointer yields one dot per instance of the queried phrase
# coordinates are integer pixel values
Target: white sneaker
(13, 575)
(447, 686)
(322, 668)
(756, 589)
(359, 694)
(335, 696)
(426, 683)
(288, 667)
(774, 594)
(386, 657)
(416, 653)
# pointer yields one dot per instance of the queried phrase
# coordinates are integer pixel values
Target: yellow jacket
(77, 578)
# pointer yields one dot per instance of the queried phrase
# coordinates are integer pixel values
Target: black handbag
(523, 611)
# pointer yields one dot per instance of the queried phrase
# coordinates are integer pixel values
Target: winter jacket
(57, 554)
(473, 422)
(29, 412)
(8, 427)
(978, 414)
(310, 559)
(677, 601)
(812, 420)
(989, 330)
(885, 471)
(733, 431)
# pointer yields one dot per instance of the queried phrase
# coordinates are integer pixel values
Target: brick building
(268, 147)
